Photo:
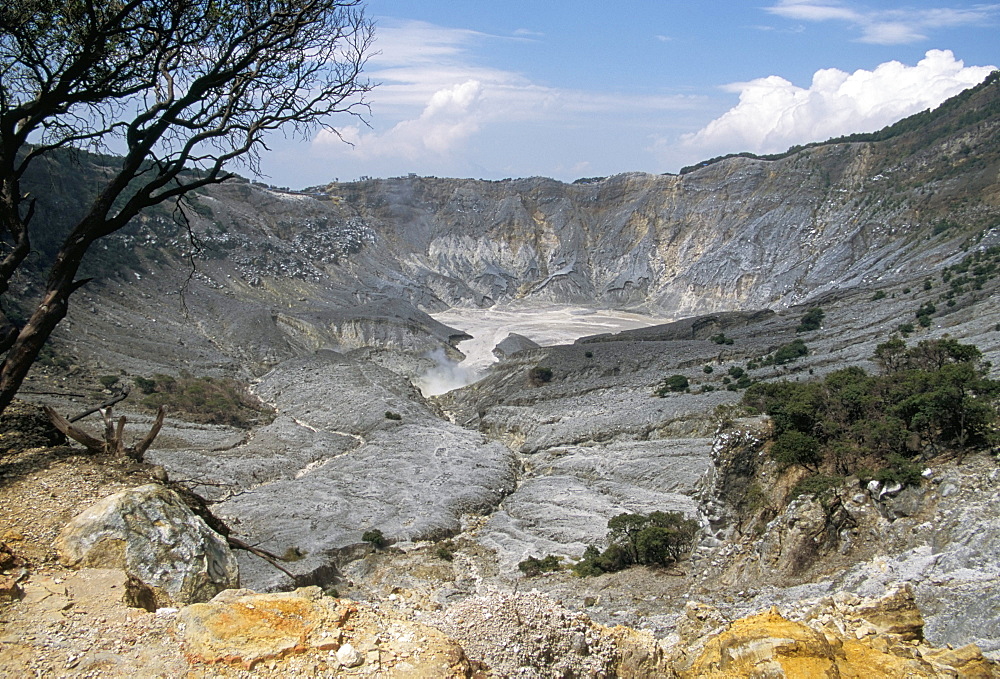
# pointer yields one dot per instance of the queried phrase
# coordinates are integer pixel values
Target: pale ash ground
(546, 325)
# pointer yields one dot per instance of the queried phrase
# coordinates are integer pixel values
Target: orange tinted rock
(240, 627)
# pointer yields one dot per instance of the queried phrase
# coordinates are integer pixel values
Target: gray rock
(332, 466)
(569, 494)
(512, 344)
(150, 533)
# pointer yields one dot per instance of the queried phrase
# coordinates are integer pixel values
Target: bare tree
(181, 89)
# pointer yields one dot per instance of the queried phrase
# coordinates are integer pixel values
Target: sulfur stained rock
(240, 627)
(768, 644)
(896, 613)
(151, 533)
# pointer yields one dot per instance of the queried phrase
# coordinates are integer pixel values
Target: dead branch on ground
(113, 443)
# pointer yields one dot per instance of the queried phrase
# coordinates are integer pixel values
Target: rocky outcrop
(243, 628)
(150, 533)
(512, 344)
(839, 636)
(354, 448)
(935, 537)
(568, 494)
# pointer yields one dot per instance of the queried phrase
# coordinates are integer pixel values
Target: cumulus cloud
(449, 118)
(773, 114)
(886, 27)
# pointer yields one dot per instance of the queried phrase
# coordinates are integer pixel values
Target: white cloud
(447, 121)
(887, 27)
(434, 98)
(812, 11)
(773, 114)
(891, 33)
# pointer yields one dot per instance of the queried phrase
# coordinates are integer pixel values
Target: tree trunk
(28, 344)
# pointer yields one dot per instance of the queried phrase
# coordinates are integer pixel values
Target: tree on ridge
(187, 88)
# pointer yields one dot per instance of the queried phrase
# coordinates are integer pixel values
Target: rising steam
(445, 375)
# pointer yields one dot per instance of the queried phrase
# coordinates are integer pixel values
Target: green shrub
(108, 381)
(720, 338)
(795, 447)
(708, 370)
(539, 375)
(659, 539)
(390, 415)
(900, 470)
(206, 399)
(878, 295)
(790, 352)
(937, 392)
(736, 372)
(146, 385)
(812, 320)
(816, 484)
(375, 538)
(445, 551)
(673, 384)
(532, 566)
(924, 314)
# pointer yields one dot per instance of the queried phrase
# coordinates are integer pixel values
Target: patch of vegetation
(50, 358)
(445, 551)
(539, 375)
(930, 396)
(796, 447)
(146, 385)
(787, 353)
(532, 566)
(878, 295)
(708, 370)
(659, 539)
(816, 484)
(293, 554)
(673, 384)
(390, 415)
(207, 400)
(924, 314)
(812, 320)
(720, 338)
(375, 538)
(108, 381)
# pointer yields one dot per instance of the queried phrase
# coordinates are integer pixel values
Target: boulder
(512, 344)
(243, 628)
(151, 533)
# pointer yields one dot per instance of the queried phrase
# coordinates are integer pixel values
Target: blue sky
(573, 89)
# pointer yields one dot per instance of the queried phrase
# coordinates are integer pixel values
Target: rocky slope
(278, 273)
